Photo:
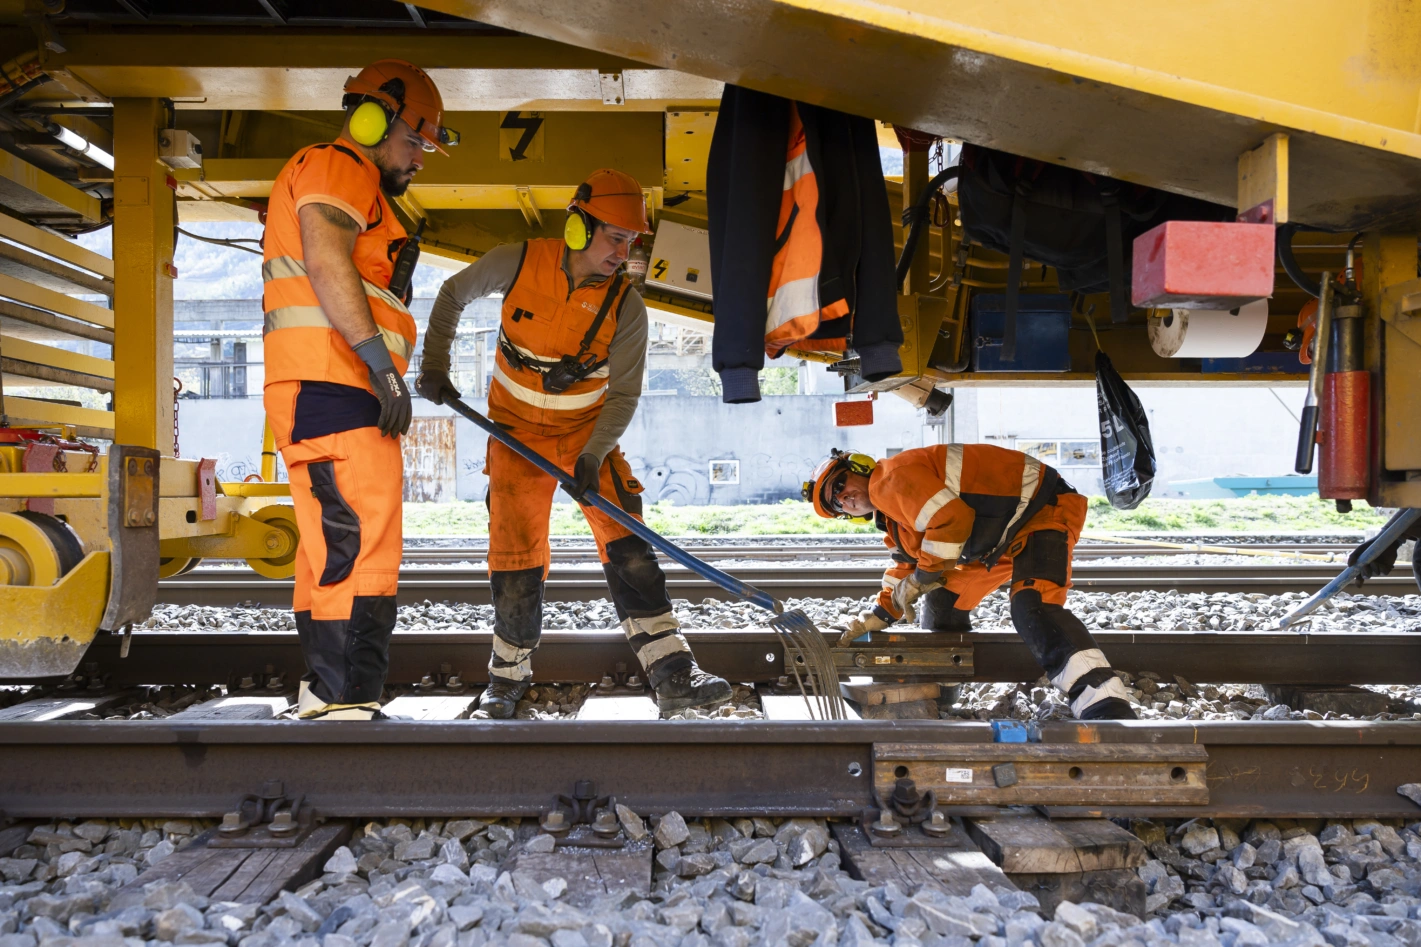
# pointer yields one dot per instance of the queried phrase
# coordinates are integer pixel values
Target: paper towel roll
(1209, 333)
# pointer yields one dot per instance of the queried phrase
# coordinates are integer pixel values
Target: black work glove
(586, 472)
(396, 410)
(434, 385)
(1380, 566)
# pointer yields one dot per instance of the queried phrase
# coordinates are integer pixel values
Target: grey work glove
(434, 385)
(867, 623)
(907, 592)
(396, 410)
(586, 472)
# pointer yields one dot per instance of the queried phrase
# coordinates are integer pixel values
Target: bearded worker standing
(571, 355)
(337, 342)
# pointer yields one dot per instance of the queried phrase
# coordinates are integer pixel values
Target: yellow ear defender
(577, 232)
(370, 123)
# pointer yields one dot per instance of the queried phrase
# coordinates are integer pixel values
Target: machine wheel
(36, 549)
(278, 516)
(167, 568)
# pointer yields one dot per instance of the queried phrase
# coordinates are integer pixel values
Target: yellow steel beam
(88, 422)
(47, 299)
(55, 245)
(40, 354)
(291, 70)
(55, 194)
(144, 214)
(51, 484)
(1164, 94)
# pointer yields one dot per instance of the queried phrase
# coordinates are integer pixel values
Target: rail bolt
(283, 824)
(605, 825)
(937, 825)
(886, 826)
(232, 825)
(555, 823)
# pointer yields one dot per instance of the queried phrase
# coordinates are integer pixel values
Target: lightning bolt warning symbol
(529, 125)
(659, 269)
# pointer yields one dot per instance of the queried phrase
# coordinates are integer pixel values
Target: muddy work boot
(1111, 708)
(311, 707)
(691, 687)
(500, 699)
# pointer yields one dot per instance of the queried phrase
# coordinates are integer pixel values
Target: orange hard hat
(408, 92)
(823, 487)
(613, 197)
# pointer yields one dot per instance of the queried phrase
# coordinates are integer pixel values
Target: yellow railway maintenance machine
(141, 113)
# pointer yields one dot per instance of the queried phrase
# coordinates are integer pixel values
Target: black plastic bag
(1127, 454)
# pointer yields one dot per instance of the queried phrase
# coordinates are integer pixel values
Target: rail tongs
(1395, 528)
(801, 636)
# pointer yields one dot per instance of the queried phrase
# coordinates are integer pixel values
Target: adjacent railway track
(574, 582)
(758, 656)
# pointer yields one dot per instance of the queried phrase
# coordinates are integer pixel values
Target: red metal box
(1190, 264)
(852, 413)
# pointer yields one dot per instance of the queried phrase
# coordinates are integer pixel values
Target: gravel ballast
(716, 883)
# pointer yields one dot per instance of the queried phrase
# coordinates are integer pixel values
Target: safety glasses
(836, 487)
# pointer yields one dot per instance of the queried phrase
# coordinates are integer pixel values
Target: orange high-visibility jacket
(795, 309)
(959, 503)
(300, 342)
(544, 319)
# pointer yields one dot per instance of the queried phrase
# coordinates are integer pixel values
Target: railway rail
(758, 656)
(513, 768)
(570, 581)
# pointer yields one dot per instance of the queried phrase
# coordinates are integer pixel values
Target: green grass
(1254, 514)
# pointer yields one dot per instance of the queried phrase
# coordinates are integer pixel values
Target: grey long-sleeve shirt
(494, 272)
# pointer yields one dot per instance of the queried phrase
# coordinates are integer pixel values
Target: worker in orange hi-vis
(337, 341)
(567, 378)
(961, 520)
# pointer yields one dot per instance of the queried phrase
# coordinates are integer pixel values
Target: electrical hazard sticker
(659, 268)
(521, 136)
(957, 774)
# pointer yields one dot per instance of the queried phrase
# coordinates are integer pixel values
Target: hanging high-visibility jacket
(959, 502)
(300, 344)
(795, 308)
(544, 319)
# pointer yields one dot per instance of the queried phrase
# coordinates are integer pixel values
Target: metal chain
(177, 390)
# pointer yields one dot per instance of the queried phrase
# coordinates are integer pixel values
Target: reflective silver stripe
(891, 581)
(935, 502)
(518, 661)
(1094, 695)
(541, 399)
(942, 550)
(1077, 665)
(796, 168)
(314, 317)
(385, 296)
(952, 470)
(794, 299)
(654, 625)
(282, 267)
(285, 267)
(1030, 479)
(660, 649)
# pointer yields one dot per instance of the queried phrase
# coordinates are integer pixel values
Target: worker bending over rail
(961, 520)
(567, 378)
(337, 344)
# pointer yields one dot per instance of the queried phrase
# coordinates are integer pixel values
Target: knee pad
(635, 579)
(938, 611)
(1051, 632)
(518, 605)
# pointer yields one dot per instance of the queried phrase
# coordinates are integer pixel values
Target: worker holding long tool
(567, 378)
(337, 340)
(961, 520)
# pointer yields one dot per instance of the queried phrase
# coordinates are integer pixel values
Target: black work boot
(1111, 708)
(500, 699)
(691, 687)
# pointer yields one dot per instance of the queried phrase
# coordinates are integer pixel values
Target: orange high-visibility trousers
(347, 492)
(520, 502)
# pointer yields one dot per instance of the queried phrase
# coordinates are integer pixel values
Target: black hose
(915, 218)
(1290, 265)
